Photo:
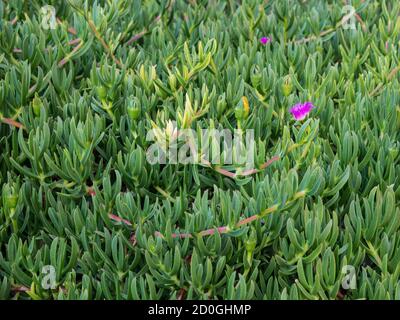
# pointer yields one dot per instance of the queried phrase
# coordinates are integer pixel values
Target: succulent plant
(78, 99)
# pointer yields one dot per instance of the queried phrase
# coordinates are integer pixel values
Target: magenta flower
(301, 110)
(265, 40)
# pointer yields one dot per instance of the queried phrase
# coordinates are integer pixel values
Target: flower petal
(265, 40)
(301, 110)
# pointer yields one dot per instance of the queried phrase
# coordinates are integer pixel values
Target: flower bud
(133, 109)
(37, 105)
(251, 242)
(255, 79)
(242, 110)
(221, 104)
(239, 113)
(172, 82)
(133, 113)
(11, 201)
(101, 92)
(287, 86)
(246, 106)
(393, 152)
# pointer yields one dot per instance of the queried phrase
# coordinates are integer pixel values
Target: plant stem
(97, 34)
(389, 78)
(12, 122)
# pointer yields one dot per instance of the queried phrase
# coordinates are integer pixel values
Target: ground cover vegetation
(79, 92)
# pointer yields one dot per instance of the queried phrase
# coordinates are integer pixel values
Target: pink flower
(301, 110)
(265, 40)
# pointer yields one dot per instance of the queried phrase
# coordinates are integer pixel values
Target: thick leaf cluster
(77, 193)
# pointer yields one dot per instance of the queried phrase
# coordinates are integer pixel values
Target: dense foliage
(76, 103)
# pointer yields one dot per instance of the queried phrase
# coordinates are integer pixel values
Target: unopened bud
(133, 109)
(251, 242)
(101, 92)
(287, 86)
(242, 110)
(37, 105)
(172, 82)
(221, 104)
(11, 201)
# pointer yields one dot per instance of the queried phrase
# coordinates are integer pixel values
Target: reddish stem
(181, 294)
(74, 41)
(226, 173)
(12, 122)
(72, 31)
(136, 37)
(67, 58)
(20, 289)
(142, 33)
(247, 220)
(262, 167)
(118, 219)
(203, 233)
